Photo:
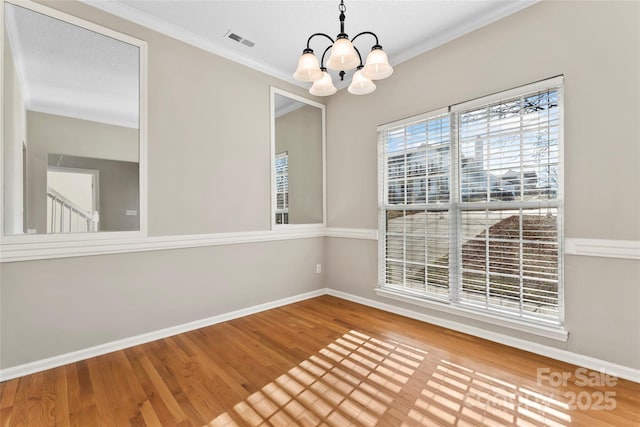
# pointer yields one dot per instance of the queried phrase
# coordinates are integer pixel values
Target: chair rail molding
(72, 247)
(626, 249)
(75, 248)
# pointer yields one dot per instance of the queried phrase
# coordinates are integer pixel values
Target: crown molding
(178, 33)
(508, 8)
(164, 27)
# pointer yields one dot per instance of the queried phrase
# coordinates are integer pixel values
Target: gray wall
(53, 307)
(52, 134)
(300, 134)
(60, 134)
(208, 126)
(118, 189)
(596, 45)
(198, 138)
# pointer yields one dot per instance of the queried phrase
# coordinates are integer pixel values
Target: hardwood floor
(323, 361)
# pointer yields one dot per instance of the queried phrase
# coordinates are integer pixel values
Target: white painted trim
(65, 17)
(553, 82)
(589, 362)
(412, 119)
(99, 350)
(111, 243)
(164, 27)
(352, 233)
(548, 331)
(626, 249)
(17, 49)
(130, 14)
(105, 245)
(460, 30)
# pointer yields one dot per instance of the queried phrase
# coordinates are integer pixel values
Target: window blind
(282, 187)
(471, 204)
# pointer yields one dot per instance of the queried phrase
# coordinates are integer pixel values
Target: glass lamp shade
(360, 85)
(377, 66)
(324, 86)
(343, 56)
(308, 68)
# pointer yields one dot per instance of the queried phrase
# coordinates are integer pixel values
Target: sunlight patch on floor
(354, 380)
(350, 382)
(460, 396)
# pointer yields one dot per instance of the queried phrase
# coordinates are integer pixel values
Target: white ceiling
(92, 84)
(280, 29)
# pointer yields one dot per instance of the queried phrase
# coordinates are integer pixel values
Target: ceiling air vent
(239, 39)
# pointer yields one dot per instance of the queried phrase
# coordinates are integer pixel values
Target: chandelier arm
(323, 54)
(366, 32)
(359, 56)
(346, 57)
(318, 34)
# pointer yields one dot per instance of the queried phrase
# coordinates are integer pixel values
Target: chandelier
(344, 57)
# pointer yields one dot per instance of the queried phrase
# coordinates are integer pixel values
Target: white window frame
(451, 303)
(285, 195)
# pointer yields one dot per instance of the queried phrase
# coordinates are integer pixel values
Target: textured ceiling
(70, 69)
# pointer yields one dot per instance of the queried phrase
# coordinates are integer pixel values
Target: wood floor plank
(19, 414)
(154, 397)
(319, 362)
(217, 358)
(121, 396)
(99, 377)
(61, 406)
(84, 384)
(8, 393)
(149, 415)
(34, 397)
(5, 416)
(162, 389)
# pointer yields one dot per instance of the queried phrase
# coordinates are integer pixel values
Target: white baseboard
(554, 353)
(99, 350)
(619, 371)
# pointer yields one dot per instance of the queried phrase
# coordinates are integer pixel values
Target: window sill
(558, 333)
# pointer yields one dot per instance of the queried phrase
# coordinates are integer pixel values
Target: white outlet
(318, 268)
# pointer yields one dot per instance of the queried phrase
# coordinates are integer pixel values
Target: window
(282, 188)
(471, 205)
